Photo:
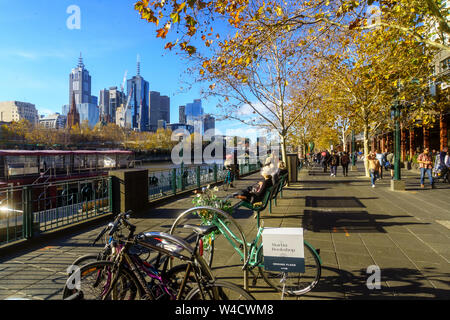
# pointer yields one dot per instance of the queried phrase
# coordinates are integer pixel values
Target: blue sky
(38, 52)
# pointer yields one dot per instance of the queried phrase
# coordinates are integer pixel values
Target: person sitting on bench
(256, 192)
(282, 167)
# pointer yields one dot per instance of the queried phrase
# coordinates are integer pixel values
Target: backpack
(334, 160)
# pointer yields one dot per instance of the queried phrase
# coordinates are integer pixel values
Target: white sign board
(283, 249)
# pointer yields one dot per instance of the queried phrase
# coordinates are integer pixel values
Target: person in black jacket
(256, 192)
(334, 163)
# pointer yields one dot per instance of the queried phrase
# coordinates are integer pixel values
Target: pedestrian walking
(345, 160)
(325, 158)
(380, 157)
(426, 165)
(334, 163)
(389, 164)
(374, 167)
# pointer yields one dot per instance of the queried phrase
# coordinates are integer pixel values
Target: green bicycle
(251, 253)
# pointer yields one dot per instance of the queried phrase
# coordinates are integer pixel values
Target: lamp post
(353, 148)
(397, 184)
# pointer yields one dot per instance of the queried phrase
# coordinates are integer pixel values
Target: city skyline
(36, 71)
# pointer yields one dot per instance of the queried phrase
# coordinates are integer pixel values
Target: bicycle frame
(250, 254)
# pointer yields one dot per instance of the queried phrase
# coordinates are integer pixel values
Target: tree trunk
(411, 142)
(443, 134)
(366, 149)
(403, 143)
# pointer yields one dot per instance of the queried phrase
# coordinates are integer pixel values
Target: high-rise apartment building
(16, 111)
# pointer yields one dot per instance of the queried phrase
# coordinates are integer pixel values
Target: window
(445, 64)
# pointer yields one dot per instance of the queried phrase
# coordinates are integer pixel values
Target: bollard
(215, 172)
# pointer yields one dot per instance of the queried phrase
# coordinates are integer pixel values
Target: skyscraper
(182, 114)
(209, 122)
(110, 100)
(80, 92)
(159, 109)
(137, 90)
(80, 83)
(194, 115)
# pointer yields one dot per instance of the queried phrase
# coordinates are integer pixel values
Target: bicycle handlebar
(122, 217)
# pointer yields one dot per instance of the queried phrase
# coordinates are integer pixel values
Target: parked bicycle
(123, 275)
(250, 252)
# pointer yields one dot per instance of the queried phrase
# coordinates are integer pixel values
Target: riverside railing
(169, 182)
(29, 210)
(26, 211)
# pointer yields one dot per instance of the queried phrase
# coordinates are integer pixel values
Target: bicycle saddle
(201, 230)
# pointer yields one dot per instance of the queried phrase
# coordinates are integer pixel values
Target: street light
(397, 183)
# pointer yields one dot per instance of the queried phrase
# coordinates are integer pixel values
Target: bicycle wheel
(214, 244)
(83, 260)
(207, 242)
(174, 278)
(296, 283)
(95, 281)
(219, 290)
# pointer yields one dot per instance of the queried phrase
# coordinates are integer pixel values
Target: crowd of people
(333, 160)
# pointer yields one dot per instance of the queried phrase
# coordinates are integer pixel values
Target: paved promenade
(405, 233)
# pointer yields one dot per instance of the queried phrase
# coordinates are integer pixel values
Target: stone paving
(405, 233)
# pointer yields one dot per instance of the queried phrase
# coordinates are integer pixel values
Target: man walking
(426, 164)
(345, 160)
(334, 163)
(374, 168)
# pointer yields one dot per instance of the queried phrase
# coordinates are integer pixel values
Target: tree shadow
(349, 221)
(333, 202)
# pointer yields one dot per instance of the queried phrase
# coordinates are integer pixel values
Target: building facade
(110, 100)
(53, 121)
(80, 90)
(209, 123)
(194, 115)
(176, 126)
(138, 93)
(182, 114)
(159, 109)
(17, 110)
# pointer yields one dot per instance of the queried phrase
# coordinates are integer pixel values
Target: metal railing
(26, 211)
(169, 182)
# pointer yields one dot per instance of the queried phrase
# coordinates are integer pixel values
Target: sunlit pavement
(404, 234)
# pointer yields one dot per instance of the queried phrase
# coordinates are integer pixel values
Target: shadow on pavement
(353, 221)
